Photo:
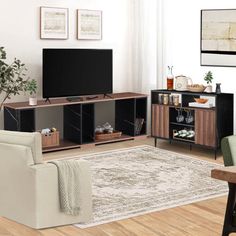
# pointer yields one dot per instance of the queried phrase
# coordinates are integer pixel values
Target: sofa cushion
(32, 140)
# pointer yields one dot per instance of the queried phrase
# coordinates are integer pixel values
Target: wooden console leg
(155, 142)
(230, 209)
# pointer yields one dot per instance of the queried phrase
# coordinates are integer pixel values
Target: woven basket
(115, 134)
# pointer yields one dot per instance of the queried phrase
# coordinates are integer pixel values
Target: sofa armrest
(47, 195)
(31, 140)
(29, 193)
(17, 183)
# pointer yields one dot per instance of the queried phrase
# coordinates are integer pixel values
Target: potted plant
(12, 77)
(208, 78)
(31, 88)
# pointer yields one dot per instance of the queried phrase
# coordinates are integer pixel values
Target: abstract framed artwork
(218, 37)
(54, 23)
(89, 24)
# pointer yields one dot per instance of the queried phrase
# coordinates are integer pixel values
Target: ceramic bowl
(201, 100)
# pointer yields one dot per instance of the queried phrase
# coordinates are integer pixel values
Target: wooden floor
(198, 219)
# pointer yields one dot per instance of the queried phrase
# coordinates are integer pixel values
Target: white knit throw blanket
(69, 189)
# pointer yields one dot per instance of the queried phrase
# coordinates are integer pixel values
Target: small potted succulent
(208, 78)
(31, 88)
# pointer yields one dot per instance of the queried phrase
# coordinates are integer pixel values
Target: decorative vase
(208, 89)
(32, 101)
(218, 89)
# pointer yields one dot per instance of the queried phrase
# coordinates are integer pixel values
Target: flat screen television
(76, 72)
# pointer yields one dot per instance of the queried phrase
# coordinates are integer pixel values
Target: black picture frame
(215, 44)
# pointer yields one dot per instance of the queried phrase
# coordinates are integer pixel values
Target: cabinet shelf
(64, 144)
(182, 124)
(123, 137)
(67, 144)
(183, 139)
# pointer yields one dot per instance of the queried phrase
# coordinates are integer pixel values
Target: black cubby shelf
(79, 118)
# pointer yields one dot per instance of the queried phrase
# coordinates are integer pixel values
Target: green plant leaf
(12, 76)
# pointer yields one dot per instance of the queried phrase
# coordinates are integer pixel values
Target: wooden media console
(79, 118)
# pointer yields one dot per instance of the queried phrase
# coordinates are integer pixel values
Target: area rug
(143, 179)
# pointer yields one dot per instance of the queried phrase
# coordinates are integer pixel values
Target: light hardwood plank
(73, 231)
(16, 229)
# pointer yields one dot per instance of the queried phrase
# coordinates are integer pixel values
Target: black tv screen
(76, 72)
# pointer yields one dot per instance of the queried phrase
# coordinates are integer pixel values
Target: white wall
(181, 38)
(19, 34)
(180, 30)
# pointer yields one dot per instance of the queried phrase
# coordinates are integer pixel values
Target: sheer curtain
(147, 45)
(147, 48)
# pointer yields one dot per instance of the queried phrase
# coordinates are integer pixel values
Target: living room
(150, 177)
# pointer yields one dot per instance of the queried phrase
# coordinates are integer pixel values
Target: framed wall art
(89, 24)
(54, 23)
(218, 37)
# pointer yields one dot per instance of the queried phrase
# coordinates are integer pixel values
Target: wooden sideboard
(210, 125)
(79, 118)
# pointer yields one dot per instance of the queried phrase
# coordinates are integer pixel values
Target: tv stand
(107, 95)
(78, 118)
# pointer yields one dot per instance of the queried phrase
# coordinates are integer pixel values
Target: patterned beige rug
(143, 179)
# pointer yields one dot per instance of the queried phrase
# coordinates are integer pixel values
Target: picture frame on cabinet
(218, 30)
(54, 23)
(89, 24)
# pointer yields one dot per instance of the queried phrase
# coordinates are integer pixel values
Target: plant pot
(32, 101)
(208, 89)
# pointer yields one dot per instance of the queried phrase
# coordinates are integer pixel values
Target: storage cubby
(125, 116)
(182, 124)
(182, 116)
(187, 98)
(87, 123)
(186, 134)
(19, 120)
(131, 116)
(141, 116)
(72, 123)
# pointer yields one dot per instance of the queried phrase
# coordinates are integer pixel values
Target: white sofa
(29, 187)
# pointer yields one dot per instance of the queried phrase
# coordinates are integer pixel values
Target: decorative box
(107, 136)
(51, 139)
